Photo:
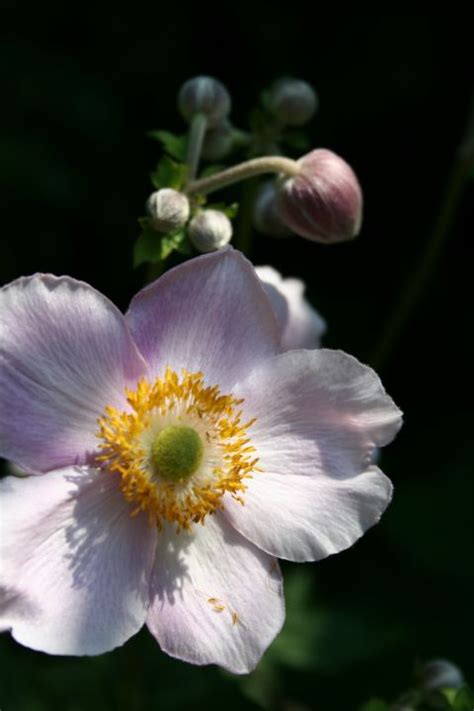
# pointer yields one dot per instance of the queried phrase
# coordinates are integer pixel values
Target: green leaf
(174, 241)
(464, 700)
(147, 247)
(375, 705)
(174, 145)
(155, 247)
(229, 211)
(169, 174)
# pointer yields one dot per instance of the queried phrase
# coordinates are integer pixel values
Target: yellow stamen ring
(179, 448)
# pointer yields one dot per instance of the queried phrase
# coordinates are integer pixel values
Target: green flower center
(176, 452)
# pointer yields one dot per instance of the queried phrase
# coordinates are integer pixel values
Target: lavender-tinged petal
(75, 566)
(216, 598)
(65, 353)
(210, 314)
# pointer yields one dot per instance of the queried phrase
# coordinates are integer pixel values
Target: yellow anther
(179, 449)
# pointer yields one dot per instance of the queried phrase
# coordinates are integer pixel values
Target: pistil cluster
(166, 419)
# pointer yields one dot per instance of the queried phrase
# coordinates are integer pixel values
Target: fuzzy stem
(197, 131)
(242, 171)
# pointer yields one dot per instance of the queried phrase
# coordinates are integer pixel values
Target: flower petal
(75, 565)
(216, 599)
(319, 416)
(65, 353)
(303, 518)
(210, 314)
(318, 412)
(302, 326)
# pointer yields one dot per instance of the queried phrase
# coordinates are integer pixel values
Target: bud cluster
(317, 196)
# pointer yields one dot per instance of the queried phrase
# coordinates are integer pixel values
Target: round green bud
(204, 95)
(440, 674)
(293, 101)
(176, 452)
(210, 230)
(168, 209)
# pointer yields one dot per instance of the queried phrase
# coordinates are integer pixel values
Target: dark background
(80, 88)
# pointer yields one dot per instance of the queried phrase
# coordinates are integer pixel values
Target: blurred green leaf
(174, 145)
(169, 174)
(263, 685)
(211, 170)
(375, 705)
(464, 700)
(313, 630)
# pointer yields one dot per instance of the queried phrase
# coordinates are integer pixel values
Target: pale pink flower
(301, 325)
(181, 416)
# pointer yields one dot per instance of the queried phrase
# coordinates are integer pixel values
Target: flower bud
(204, 95)
(168, 209)
(218, 142)
(210, 230)
(292, 101)
(440, 674)
(324, 201)
(265, 213)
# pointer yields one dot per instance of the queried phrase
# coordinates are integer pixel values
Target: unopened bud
(324, 201)
(204, 95)
(168, 209)
(440, 674)
(218, 142)
(210, 230)
(266, 218)
(292, 101)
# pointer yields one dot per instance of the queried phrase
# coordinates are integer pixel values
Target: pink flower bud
(324, 202)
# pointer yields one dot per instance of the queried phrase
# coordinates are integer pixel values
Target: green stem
(426, 265)
(197, 131)
(248, 169)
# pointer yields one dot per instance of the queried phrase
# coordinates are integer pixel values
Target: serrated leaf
(174, 145)
(172, 241)
(154, 247)
(169, 174)
(147, 247)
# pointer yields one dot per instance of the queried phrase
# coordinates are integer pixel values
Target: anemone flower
(174, 454)
(300, 324)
